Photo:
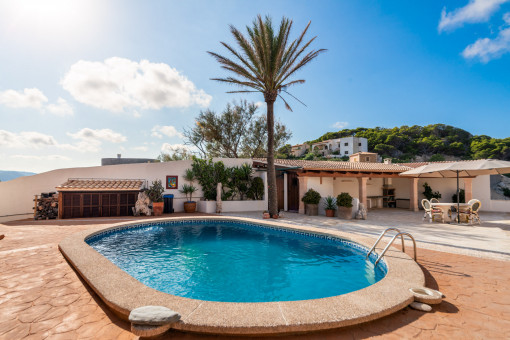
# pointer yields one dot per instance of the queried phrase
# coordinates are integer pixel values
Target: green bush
(506, 192)
(311, 197)
(188, 190)
(428, 193)
(344, 200)
(256, 191)
(462, 195)
(155, 192)
(329, 203)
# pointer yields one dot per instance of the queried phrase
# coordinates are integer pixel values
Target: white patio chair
(430, 211)
(434, 200)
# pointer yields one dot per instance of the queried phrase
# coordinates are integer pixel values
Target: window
(346, 144)
(346, 152)
(359, 144)
(367, 159)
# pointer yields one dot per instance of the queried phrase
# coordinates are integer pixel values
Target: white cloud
(90, 140)
(475, 11)
(29, 98)
(61, 108)
(167, 130)
(25, 139)
(136, 114)
(49, 157)
(34, 99)
(259, 104)
(486, 49)
(99, 135)
(169, 148)
(340, 125)
(119, 83)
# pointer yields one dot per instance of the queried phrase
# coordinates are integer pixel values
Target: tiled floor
(42, 297)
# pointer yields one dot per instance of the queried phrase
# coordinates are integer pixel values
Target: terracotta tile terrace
(41, 297)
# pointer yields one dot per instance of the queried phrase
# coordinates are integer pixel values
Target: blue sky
(81, 80)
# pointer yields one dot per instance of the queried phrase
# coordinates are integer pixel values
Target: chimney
(118, 155)
(387, 161)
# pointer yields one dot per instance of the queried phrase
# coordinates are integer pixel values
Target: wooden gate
(292, 191)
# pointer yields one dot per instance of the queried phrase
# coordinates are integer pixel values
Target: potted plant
(188, 190)
(344, 203)
(155, 193)
(311, 200)
(265, 215)
(329, 206)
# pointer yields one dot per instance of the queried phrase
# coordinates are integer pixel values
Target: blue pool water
(237, 262)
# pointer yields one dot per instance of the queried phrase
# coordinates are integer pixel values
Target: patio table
(445, 207)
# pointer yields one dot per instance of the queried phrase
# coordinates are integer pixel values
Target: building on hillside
(366, 157)
(340, 147)
(299, 150)
(120, 160)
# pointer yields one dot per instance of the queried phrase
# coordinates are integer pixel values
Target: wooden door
(279, 190)
(292, 192)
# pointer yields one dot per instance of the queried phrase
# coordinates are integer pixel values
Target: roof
(94, 184)
(364, 153)
(418, 164)
(337, 166)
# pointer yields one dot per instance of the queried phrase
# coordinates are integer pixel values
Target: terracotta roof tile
(89, 184)
(342, 166)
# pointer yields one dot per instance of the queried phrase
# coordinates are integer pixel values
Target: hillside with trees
(431, 143)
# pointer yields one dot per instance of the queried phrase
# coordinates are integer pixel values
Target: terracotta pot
(266, 216)
(330, 212)
(345, 213)
(312, 209)
(157, 208)
(190, 207)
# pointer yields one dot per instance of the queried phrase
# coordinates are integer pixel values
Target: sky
(82, 80)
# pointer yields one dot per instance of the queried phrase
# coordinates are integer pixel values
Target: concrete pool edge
(122, 293)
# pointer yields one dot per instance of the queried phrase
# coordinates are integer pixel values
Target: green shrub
(428, 193)
(344, 200)
(155, 192)
(188, 190)
(311, 197)
(329, 203)
(256, 191)
(506, 192)
(462, 195)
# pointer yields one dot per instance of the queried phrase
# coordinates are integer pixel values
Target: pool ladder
(399, 233)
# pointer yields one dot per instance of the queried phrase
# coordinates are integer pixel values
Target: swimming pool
(232, 261)
(122, 292)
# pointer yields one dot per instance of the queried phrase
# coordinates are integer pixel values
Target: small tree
(428, 193)
(256, 191)
(462, 195)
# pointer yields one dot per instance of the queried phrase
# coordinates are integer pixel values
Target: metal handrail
(381, 236)
(392, 240)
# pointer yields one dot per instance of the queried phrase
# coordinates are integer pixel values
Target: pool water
(237, 262)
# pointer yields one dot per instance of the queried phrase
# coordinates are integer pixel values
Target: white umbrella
(460, 169)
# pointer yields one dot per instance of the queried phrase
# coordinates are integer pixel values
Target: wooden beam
(321, 179)
(352, 175)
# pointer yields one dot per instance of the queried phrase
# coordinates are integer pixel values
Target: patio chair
(434, 200)
(430, 211)
(471, 214)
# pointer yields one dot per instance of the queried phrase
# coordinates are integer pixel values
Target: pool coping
(122, 293)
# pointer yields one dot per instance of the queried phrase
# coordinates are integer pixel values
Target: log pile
(46, 207)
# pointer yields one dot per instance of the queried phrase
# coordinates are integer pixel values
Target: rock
(148, 331)
(153, 315)
(142, 204)
(420, 306)
(426, 295)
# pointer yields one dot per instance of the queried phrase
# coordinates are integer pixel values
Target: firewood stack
(46, 206)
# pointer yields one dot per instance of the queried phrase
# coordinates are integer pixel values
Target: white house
(340, 147)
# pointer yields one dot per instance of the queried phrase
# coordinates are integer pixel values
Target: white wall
(21, 191)
(481, 191)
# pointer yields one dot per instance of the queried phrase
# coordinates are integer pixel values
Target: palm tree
(264, 63)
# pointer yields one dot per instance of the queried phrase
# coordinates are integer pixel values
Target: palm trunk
(271, 172)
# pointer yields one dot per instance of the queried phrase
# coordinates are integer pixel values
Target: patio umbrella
(460, 169)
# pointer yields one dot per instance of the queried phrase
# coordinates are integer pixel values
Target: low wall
(18, 194)
(232, 206)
